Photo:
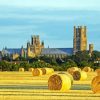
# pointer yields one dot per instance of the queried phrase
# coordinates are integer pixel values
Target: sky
(53, 20)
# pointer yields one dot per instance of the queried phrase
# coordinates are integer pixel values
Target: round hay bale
(43, 71)
(92, 70)
(21, 69)
(79, 75)
(47, 70)
(72, 69)
(95, 84)
(70, 76)
(98, 71)
(37, 72)
(79, 69)
(31, 69)
(87, 69)
(60, 82)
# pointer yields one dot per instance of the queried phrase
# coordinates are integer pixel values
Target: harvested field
(24, 86)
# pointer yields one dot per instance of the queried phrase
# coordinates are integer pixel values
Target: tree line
(80, 59)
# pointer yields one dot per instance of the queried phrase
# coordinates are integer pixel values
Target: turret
(91, 48)
(42, 44)
(28, 49)
(22, 51)
(37, 41)
(32, 40)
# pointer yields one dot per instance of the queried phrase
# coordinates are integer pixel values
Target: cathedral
(80, 40)
(34, 48)
(37, 48)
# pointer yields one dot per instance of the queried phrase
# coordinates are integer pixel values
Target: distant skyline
(53, 20)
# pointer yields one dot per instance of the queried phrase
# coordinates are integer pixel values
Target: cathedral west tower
(80, 39)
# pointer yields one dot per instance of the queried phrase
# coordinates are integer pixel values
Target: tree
(95, 55)
(49, 60)
(25, 65)
(5, 65)
(81, 57)
(69, 63)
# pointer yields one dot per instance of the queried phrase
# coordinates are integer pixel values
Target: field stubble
(23, 86)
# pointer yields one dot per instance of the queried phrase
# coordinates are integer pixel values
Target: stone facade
(80, 39)
(14, 56)
(91, 48)
(35, 47)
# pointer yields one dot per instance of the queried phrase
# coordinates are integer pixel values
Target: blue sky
(53, 20)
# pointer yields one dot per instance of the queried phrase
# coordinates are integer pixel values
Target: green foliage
(7, 58)
(6, 66)
(49, 60)
(25, 65)
(81, 56)
(69, 63)
(83, 63)
(40, 64)
(80, 59)
(14, 67)
(95, 55)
